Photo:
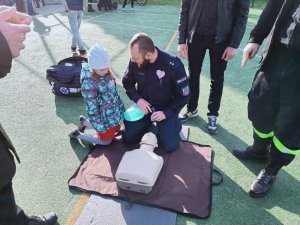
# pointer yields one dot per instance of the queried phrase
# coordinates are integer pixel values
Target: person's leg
(263, 107)
(132, 3)
(135, 130)
(196, 53)
(217, 69)
(30, 8)
(79, 40)
(92, 139)
(74, 20)
(124, 3)
(90, 6)
(168, 133)
(10, 213)
(20, 5)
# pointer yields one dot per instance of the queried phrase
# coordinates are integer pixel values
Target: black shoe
(90, 9)
(263, 183)
(47, 219)
(250, 154)
(74, 133)
(33, 14)
(82, 53)
(187, 115)
(212, 127)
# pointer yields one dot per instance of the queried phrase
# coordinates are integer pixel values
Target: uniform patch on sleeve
(185, 91)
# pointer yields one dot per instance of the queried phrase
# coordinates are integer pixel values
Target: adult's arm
(266, 21)
(129, 83)
(183, 21)
(182, 91)
(239, 24)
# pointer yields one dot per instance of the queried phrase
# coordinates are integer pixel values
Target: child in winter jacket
(103, 104)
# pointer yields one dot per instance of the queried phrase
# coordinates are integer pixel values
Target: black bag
(65, 76)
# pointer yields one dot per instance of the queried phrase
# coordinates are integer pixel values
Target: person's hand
(14, 34)
(182, 50)
(11, 15)
(249, 52)
(158, 116)
(229, 53)
(144, 106)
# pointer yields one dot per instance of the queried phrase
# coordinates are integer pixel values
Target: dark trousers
(125, 3)
(274, 101)
(196, 54)
(168, 131)
(10, 213)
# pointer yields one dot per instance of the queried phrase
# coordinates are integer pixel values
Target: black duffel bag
(65, 76)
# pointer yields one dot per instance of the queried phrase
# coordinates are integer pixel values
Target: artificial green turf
(39, 122)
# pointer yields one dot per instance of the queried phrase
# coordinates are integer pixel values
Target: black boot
(251, 153)
(47, 219)
(264, 181)
(90, 8)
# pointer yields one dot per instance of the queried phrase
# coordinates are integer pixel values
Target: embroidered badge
(160, 73)
(185, 90)
(181, 80)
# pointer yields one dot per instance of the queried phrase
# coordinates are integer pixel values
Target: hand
(144, 106)
(158, 116)
(249, 52)
(10, 15)
(182, 50)
(229, 53)
(14, 35)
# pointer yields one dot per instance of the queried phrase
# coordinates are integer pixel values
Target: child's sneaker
(74, 133)
(212, 126)
(187, 115)
(81, 126)
(82, 53)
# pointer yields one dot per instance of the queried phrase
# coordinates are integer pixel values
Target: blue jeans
(30, 7)
(75, 18)
(168, 131)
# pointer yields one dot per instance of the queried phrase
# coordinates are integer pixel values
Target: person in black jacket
(219, 27)
(156, 81)
(12, 35)
(274, 105)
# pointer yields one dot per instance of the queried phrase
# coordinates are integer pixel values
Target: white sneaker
(132, 9)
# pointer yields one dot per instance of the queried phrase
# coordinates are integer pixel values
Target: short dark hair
(144, 43)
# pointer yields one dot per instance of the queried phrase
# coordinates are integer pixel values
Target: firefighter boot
(264, 181)
(259, 150)
(252, 153)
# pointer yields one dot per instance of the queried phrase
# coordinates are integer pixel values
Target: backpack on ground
(65, 76)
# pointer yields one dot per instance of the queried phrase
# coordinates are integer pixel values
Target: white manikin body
(139, 168)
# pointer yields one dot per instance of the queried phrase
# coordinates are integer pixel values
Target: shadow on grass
(69, 108)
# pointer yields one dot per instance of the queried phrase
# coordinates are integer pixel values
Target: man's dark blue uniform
(164, 85)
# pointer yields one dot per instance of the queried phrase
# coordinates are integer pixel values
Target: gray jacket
(231, 24)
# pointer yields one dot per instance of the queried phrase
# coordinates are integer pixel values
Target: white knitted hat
(98, 57)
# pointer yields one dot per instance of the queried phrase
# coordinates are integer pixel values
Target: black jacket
(5, 57)
(231, 24)
(7, 163)
(163, 84)
(269, 23)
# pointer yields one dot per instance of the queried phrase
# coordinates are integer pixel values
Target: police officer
(156, 81)
(274, 105)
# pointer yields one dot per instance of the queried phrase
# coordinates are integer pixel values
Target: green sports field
(38, 122)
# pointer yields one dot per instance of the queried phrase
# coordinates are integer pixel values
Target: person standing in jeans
(75, 15)
(216, 26)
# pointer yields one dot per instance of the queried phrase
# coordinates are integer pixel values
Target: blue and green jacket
(103, 104)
